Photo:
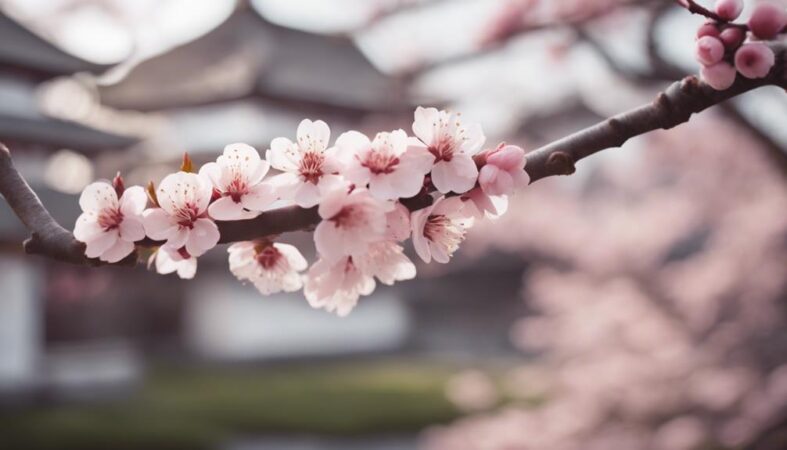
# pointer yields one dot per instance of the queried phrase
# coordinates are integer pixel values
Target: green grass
(188, 409)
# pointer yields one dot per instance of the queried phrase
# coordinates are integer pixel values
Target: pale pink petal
(307, 195)
(133, 201)
(350, 144)
(284, 185)
(329, 241)
(294, 257)
(283, 155)
(98, 196)
(120, 250)
(101, 243)
(213, 172)
(398, 223)
(458, 175)
(87, 227)
(420, 243)
(158, 224)
(260, 197)
(226, 208)
(187, 268)
(202, 237)
(438, 253)
(425, 124)
(244, 160)
(381, 188)
(313, 135)
(473, 140)
(131, 229)
(178, 238)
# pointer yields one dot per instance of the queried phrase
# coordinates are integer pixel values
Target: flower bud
(118, 184)
(768, 20)
(732, 37)
(729, 9)
(719, 76)
(710, 50)
(503, 171)
(708, 29)
(754, 60)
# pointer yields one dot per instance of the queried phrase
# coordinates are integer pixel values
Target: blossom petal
(226, 208)
(87, 228)
(458, 175)
(307, 195)
(294, 257)
(133, 201)
(120, 250)
(425, 124)
(313, 135)
(101, 243)
(98, 196)
(283, 155)
(158, 224)
(259, 198)
(203, 236)
(131, 229)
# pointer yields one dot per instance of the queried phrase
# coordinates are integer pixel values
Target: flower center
(110, 218)
(443, 149)
(379, 162)
(444, 232)
(268, 257)
(311, 166)
(237, 188)
(187, 215)
(351, 216)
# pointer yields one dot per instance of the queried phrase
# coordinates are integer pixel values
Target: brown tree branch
(672, 107)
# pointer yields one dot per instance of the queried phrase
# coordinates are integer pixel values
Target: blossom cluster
(725, 49)
(360, 187)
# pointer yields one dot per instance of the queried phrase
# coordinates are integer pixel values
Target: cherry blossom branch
(672, 107)
(47, 237)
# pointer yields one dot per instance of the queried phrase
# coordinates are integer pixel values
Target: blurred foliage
(201, 408)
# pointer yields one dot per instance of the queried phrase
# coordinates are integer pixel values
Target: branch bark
(672, 107)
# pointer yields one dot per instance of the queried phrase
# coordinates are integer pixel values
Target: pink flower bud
(754, 60)
(732, 37)
(710, 50)
(708, 29)
(503, 171)
(719, 76)
(729, 9)
(768, 20)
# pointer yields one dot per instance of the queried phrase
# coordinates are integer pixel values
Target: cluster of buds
(725, 48)
(361, 187)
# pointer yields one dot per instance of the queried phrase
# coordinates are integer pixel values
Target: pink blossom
(272, 267)
(310, 167)
(389, 164)
(439, 229)
(710, 50)
(504, 170)
(480, 205)
(237, 176)
(719, 76)
(729, 9)
(182, 220)
(754, 60)
(168, 260)
(109, 226)
(336, 287)
(732, 37)
(397, 223)
(768, 20)
(386, 261)
(453, 147)
(350, 222)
